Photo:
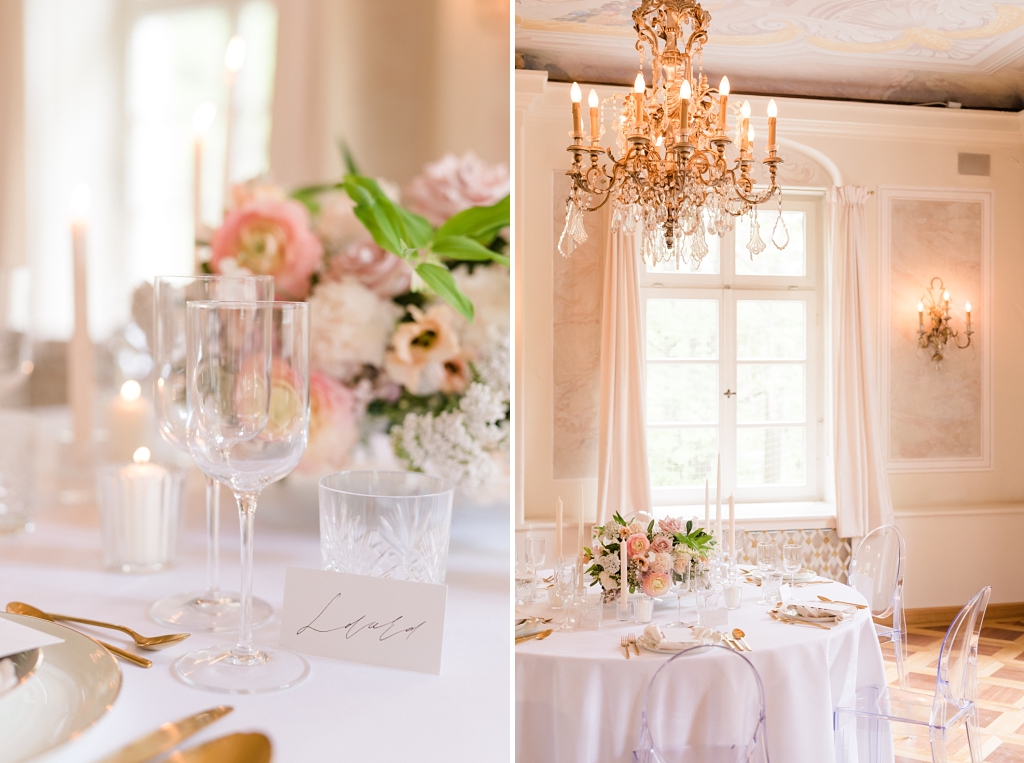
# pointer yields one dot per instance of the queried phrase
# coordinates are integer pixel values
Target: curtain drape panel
(623, 483)
(862, 486)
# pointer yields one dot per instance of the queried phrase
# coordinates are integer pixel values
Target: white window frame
(727, 288)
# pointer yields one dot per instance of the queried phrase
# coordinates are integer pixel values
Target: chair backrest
(956, 679)
(876, 570)
(704, 705)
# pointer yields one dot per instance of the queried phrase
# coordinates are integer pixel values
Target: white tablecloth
(578, 700)
(342, 711)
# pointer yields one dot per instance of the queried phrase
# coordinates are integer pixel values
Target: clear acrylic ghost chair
(704, 705)
(876, 571)
(864, 731)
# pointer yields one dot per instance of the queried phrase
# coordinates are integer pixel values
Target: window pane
(770, 456)
(682, 394)
(791, 261)
(710, 265)
(682, 328)
(770, 393)
(682, 457)
(771, 329)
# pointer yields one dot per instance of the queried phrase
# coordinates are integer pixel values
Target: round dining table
(579, 699)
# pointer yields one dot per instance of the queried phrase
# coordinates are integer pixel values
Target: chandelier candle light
(670, 172)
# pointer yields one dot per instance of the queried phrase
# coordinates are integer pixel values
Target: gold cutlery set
(231, 748)
(150, 643)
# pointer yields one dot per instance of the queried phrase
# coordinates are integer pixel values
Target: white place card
(375, 621)
(16, 638)
(786, 593)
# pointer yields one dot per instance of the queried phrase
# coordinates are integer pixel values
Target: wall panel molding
(935, 421)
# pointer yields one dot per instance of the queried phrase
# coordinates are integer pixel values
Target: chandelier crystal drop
(673, 179)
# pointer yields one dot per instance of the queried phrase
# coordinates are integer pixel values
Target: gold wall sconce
(934, 336)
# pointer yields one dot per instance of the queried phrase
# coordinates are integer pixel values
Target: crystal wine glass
(211, 609)
(534, 555)
(564, 585)
(767, 561)
(791, 558)
(248, 423)
(680, 587)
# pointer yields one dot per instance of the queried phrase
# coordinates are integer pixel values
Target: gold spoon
(19, 608)
(738, 635)
(233, 748)
(152, 643)
(847, 603)
(539, 636)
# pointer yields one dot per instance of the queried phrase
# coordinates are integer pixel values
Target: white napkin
(16, 638)
(680, 637)
(818, 612)
(8, 679)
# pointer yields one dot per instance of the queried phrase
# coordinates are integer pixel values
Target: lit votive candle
(126, 419)
(138, 505)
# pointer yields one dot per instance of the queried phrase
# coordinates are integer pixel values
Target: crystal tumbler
(139, 508)
(386, 524)
(17, 471)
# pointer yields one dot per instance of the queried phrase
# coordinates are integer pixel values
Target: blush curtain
(623, 482)
(861, 483)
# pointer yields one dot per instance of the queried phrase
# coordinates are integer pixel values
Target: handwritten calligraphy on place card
(376, 621)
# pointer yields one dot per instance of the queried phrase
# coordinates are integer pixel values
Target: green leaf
(440, 279)
(481, 224)
(618, 518)
(465, 248)
(392, 227)
(346, 155)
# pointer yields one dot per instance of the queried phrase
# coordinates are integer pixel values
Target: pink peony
(453, 184)
(268, 236)
(637, 545)
(656, 584)
(384, 273)
(332, 425)
(670, 525)
(661, 544)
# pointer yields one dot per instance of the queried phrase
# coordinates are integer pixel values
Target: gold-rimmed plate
(74, 686)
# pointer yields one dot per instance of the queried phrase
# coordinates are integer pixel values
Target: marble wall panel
(934, 414)
(576, 345)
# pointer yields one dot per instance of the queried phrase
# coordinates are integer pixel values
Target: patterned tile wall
(824, 551)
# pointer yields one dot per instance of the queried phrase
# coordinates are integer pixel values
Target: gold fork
(624, 643)
(632, 643)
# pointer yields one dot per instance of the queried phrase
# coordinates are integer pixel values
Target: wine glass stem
(212, 538)
(246, 515)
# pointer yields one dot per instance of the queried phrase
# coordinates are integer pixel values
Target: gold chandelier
(674, 179)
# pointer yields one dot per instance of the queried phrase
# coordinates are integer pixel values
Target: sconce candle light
(938, 332)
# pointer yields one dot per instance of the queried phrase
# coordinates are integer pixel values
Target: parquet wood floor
(1000, 688)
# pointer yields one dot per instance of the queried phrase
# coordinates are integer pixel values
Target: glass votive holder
(643, 610)
(733, 595)
(772, 587)
(387, 524)
(139, 508)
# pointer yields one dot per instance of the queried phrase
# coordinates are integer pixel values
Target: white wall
(961, 527)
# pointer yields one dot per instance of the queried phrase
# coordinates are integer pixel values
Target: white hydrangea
(489, 289)
(458, 445)
(494, 363)
(610, 563)
(350, 326)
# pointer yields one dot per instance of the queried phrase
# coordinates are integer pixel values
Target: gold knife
(166, 737)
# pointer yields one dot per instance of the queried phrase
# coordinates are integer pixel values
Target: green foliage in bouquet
(464, 237)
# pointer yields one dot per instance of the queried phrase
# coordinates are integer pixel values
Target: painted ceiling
(903, 51)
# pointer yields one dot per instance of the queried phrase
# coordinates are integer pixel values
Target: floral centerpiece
(409, 309)
(657, 553)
